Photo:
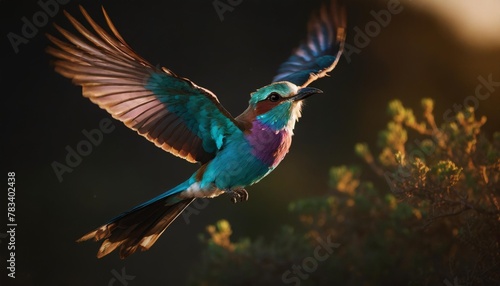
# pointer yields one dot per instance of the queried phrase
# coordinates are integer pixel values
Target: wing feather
(321, 50)
(159, 105)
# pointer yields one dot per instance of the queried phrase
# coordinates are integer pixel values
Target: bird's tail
(140, 227)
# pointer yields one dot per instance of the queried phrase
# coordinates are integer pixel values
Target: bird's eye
(273, 97)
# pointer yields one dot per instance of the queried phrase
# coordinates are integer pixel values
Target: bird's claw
(239, 195)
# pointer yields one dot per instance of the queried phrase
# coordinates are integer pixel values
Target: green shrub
(436, 221)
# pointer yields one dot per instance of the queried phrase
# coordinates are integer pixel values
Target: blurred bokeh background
(430, 48)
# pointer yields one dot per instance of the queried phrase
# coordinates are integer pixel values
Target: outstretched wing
(321, 50)
(174, 113)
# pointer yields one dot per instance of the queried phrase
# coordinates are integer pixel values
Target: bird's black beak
(305, 92)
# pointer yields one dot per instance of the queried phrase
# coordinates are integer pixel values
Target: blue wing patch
(172, 112)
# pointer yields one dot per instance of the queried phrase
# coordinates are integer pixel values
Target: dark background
(417, 55)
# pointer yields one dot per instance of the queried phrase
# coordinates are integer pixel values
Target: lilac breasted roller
(188, 120)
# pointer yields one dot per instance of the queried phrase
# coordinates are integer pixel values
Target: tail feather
(138, 228)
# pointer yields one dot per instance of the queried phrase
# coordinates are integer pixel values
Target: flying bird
(189, 121)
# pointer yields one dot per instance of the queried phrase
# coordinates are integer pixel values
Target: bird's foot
(239, 195)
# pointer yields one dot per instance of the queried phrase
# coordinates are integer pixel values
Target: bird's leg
(238, 195)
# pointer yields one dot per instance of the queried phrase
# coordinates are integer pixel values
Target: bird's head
(279, 104)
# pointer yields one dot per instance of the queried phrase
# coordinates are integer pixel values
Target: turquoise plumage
(188, 121)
